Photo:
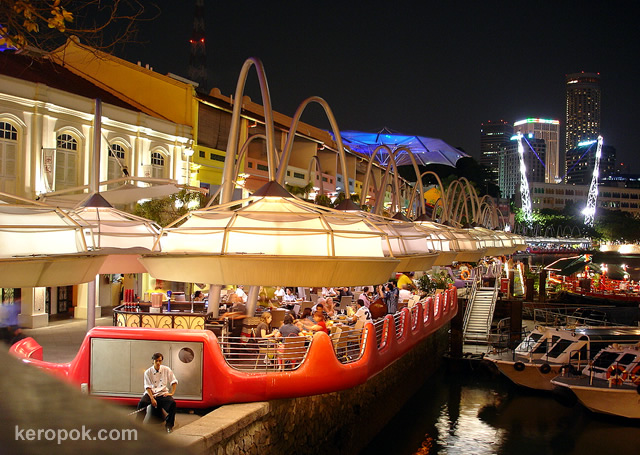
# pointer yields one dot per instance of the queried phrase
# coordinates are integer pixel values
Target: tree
(166, 210)
(46, 25)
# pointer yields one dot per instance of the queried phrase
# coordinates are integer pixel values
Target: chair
(296, 309)
(314, 298)
(268, 351)
(307, 294)
(277, 318)
(345, 301)
(293, 351)
(304, 305)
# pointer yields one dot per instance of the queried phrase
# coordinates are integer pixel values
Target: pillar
(32, 308)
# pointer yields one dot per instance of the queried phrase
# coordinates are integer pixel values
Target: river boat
(610, 384)
(111, 360)
(547, 351)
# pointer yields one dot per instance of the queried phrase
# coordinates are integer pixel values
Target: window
(298, 175)
(262, 167)
(216, 157)
(117, 162)
(66, 174)
(201, 154)
(8, 157)
(157, 165)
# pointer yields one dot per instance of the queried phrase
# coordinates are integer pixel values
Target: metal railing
(270, 354)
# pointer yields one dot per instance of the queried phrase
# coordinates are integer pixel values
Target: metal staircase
(479, 313)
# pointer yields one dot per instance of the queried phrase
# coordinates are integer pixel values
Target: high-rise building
(494, 138)
(534, 158)
(583, 109)
(549, 131)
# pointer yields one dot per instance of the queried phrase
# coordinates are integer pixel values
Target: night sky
(436, 69)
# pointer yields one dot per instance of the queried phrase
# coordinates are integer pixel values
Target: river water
(481, 413)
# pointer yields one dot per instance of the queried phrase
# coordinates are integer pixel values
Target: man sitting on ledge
(156, 381)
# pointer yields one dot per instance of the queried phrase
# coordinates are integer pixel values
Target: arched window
(157, 165)
(66, 175)
(117, 166)
(8, 157)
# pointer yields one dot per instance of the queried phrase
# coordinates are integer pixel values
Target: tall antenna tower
(524, 184)
(197, 70)
(592, 198)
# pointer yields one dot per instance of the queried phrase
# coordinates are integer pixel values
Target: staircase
(479, 314)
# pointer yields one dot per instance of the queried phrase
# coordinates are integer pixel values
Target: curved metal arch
(395, 194)
(234, 130)
(288, 147)
(460, 206)
(442, 199)
(319, 170)
(364, 193)
(548, 232)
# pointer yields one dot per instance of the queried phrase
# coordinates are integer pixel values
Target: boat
(610, 384)
(548, 351)
(111, 360)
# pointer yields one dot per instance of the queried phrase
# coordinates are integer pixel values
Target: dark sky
(435, 69)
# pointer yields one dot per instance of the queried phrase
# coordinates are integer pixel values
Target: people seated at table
(306, 320)
(404, 293)
(329, 292)
(263, 330)
(320, 301)
(320, 323)
(329, 307)
(198, 296)
(345, 292)
(362, 316)
(288, 328)
(279, 293)
(289, 296)
(236, 306)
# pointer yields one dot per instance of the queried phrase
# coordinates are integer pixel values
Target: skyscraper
(549, 131)
(583, 109)
(197, 69)
(494, 138)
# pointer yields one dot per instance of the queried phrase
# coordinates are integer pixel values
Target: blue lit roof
(426, 150)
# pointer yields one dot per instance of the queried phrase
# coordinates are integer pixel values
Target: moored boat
(547, 351)
(610, 384)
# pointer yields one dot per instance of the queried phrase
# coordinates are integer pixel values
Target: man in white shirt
(157, 380)
(240, 292)
(362, 316)
(404, 293)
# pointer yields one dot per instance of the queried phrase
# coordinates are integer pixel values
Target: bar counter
(180, 316)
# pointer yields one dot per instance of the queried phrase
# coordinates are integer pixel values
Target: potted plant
(442, 280)
(426, 285)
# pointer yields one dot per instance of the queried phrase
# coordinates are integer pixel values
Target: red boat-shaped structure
(111, 360)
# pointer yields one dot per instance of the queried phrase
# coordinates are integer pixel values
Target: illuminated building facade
(549, 131)
(494, 139)
(582, 109)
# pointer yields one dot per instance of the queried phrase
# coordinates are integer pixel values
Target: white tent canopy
(269, 238)
(42, 246)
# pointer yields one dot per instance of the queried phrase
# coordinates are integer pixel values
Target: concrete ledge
(221, 424)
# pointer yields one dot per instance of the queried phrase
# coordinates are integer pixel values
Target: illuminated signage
(537, 120)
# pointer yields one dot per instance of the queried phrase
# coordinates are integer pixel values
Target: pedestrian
(157, 380)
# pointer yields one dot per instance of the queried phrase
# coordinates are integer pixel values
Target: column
(32, 308)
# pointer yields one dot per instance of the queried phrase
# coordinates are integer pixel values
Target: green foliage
(441, 279)
(426, 284)
(323, 200)
(166, 210)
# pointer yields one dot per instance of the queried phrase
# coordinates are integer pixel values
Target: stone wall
(336, 423)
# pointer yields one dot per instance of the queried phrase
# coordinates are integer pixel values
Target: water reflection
(481, 414)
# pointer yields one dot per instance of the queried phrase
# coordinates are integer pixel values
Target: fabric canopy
(426, 150)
